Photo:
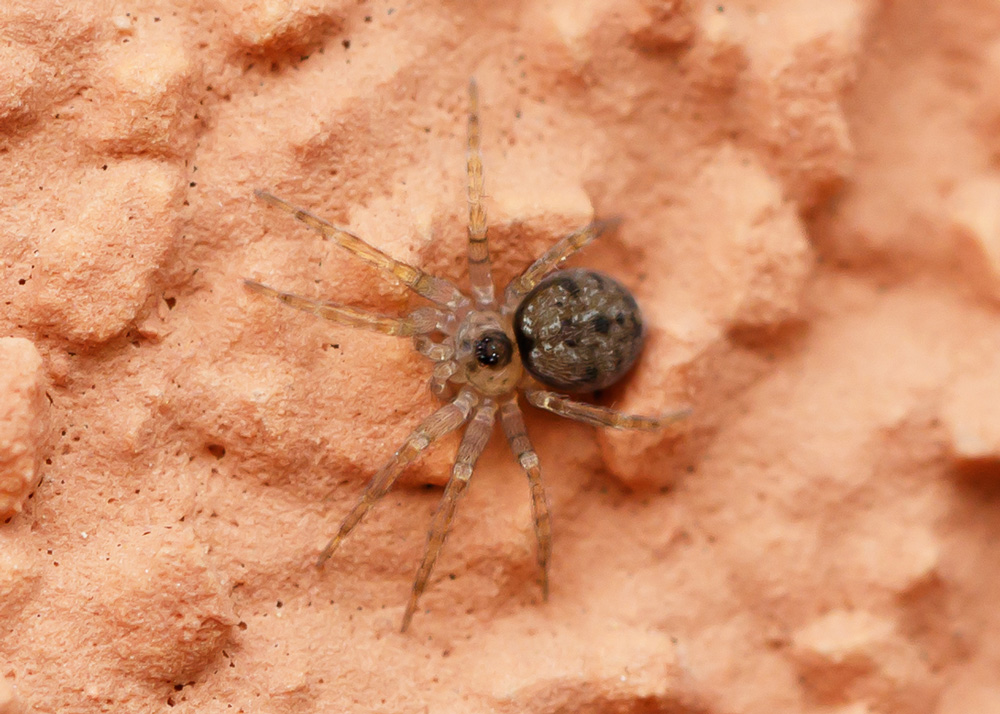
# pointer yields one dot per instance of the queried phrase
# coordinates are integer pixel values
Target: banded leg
(553, 258)
(421, 321)
(441, 378)
(437, 351)
(597, 415)
(517, 436)
(438, 290)
(480, 273)
(473, 442)
(443, 421)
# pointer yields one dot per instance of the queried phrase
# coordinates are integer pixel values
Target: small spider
(573, 330)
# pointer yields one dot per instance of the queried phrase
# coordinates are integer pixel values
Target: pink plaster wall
(811, 204)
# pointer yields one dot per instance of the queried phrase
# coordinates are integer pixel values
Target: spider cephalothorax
(573, 330)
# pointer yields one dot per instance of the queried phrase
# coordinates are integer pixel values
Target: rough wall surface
(811, 204)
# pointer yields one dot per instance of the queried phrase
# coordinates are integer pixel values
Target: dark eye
(494, 349)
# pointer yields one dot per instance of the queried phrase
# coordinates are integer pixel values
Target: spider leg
(444, 420)
(476, 436)
(480, 274)
(438, 290)
(553, 258)
(597, 415)
(437, 351)
(517, 436)
(441, 378)
(419, 322)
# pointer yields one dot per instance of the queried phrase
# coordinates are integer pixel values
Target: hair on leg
(596, 415)
(553, 258)
(476, 436)
(421, 321)
(512, 421)
(443, 421)
(480, 272)
(438, 290)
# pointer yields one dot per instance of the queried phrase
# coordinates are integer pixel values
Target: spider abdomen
(578, 330)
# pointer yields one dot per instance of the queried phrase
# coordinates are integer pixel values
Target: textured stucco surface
(810, 195)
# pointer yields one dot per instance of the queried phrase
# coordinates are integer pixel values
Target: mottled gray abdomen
(578, 330)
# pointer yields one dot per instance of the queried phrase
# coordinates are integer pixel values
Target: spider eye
(494, 349)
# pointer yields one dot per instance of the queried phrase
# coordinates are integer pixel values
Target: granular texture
(809, 199)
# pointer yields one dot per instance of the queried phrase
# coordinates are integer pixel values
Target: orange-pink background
(811, 204)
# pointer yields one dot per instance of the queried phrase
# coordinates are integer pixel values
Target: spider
(572, 330)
